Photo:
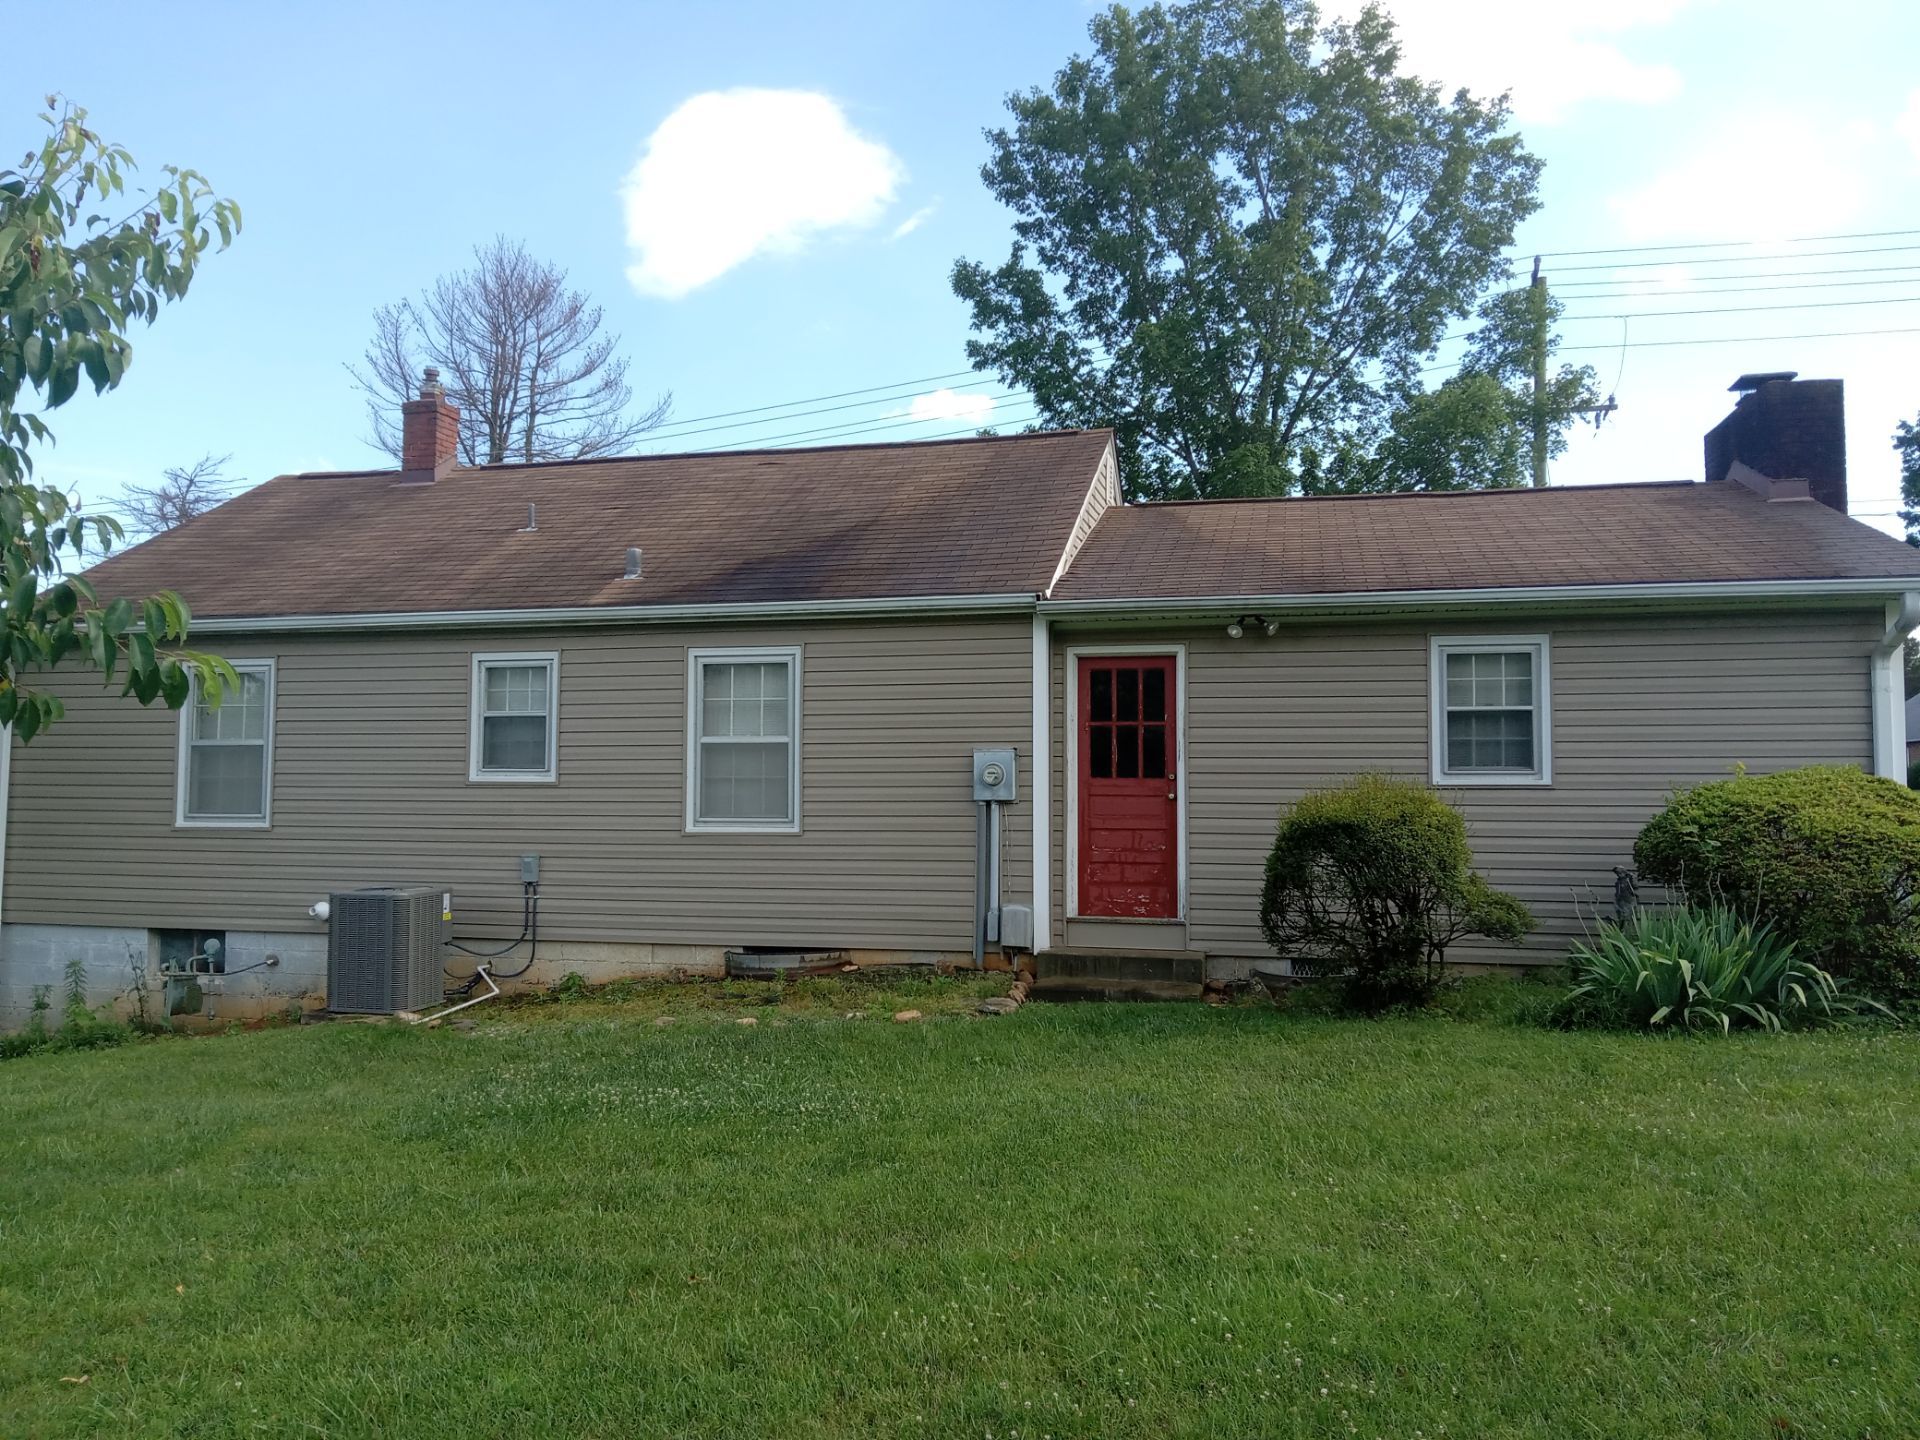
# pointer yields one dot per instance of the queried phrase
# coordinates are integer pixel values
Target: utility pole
(1537, 306)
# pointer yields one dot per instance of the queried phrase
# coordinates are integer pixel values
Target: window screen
(513, 717)
(744, 723)
(226, 755)
(1491, 711)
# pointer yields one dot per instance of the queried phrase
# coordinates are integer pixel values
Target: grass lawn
(1074, 1221)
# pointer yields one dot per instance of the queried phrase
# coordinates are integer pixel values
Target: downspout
(1042, 764)
(6, 795)
(1889, 693)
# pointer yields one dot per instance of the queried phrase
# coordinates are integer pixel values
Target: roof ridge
(716, 454)
(1500, 490)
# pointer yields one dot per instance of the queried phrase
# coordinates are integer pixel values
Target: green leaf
(64, 382)
(175, 685)
(117, 616)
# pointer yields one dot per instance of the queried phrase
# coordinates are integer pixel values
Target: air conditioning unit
(384, 949)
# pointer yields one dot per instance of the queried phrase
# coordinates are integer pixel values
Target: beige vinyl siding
(1640, 706)
(370, 786)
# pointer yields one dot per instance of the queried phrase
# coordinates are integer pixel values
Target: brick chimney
(429, 432)
(1786, 438)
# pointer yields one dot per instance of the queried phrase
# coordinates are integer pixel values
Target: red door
(1128, 797)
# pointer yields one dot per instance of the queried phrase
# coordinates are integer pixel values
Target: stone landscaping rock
(663, 1020)
(746, 1020)
(466, 1025)
(998, 1005)
(903, 1017)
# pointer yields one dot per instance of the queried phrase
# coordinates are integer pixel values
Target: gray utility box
(993, 774)
(384, 949)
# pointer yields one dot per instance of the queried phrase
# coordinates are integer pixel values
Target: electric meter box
(993, 773)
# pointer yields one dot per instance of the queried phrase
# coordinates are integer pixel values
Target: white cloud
(951, 405)
(1551, 57)
(914, 221)
(1812, 185)
(1907, 127)
(732, 174)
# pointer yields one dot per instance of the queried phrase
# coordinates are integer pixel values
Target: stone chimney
(429, 432)
(1786, 438)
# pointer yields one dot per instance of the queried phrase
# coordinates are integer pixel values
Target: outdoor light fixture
(1238, 628)
(1234, 630)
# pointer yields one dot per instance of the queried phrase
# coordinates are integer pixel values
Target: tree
(520, 354)
(71, 284)
(183, 492)
(1906, 439)
(1239, 234)
(1475, 431)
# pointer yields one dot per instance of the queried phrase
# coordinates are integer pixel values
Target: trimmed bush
(1688, 969)
(1828, 856)
(1371, 882)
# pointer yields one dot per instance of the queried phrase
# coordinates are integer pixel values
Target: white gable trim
(1102, 495)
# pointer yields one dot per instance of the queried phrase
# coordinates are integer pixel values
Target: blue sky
(796, 243)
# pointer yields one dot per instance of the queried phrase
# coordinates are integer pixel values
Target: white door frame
(1074, 653)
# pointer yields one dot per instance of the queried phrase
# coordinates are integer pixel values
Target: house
(731, 700)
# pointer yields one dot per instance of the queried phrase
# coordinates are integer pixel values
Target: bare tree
(183, 492)
(521, 355)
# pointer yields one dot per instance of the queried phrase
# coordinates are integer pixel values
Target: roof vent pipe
(533, 522)
(633, 563)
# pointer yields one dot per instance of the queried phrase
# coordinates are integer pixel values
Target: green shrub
(1696, 969)
(1371, 882)
(1827, 855)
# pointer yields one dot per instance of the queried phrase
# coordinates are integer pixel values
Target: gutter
(1490, 595)
(1013, 603)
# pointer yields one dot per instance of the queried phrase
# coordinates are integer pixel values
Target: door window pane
(1102, 686)
(1153, 695)
(1153, 752)
(1100, 756)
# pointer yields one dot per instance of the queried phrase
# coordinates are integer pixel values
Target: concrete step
(1074, 973)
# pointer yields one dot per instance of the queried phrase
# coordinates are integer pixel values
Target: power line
(814, 399)
(862, 428)
(945, 434)
(1742, 259)
(1707, 340)
(908, 394)
(1746, 339)
(1751, 309)
(1757, 275)
(1659, 292)
(1729, 244)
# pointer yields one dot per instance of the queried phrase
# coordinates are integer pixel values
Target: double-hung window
(1492, 710)
(516, 705)
(743, 739)
(226, 753)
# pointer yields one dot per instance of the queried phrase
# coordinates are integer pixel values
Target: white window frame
(789, 655)
(482, 662)
(1541, 647)
(183, 761)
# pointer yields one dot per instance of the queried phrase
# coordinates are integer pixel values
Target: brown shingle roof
(1581, 535)
(963, 517)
